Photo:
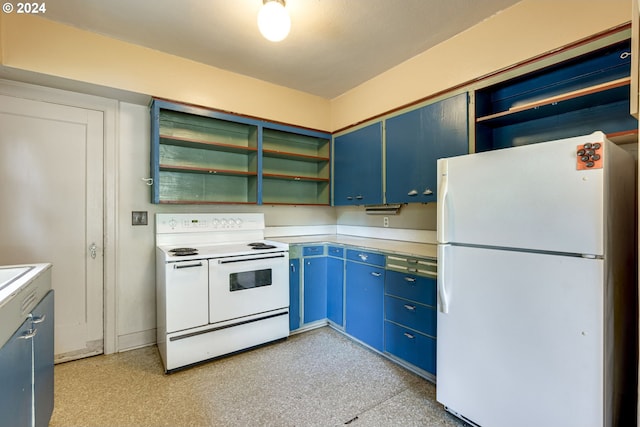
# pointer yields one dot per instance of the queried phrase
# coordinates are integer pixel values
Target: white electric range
(221, 288)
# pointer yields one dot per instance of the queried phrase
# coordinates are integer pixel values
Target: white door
(524, 197)
(51, 210)
(520, 341)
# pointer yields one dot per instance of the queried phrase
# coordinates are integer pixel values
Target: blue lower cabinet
(294, 294)
(42, 322)
(411, 287)
(411, 346)
(364, 303)
(335, 290)
(315, 289)
(411, 314)
(15, 377)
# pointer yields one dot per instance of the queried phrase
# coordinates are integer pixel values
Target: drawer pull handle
(363, 257)
(412, 261)
(376, 274)
(38, 319)
(412, 270)
(410, 279)
(410, 307)
(408, 335)
(28, 334)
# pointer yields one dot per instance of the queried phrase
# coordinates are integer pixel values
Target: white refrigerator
(536, 284)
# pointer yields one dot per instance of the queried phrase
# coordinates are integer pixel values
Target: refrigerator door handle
(443, 299)
(442, 202)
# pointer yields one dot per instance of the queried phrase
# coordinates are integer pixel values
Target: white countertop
(21, 295)
(425, 250)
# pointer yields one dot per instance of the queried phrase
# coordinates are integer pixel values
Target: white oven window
(249, 279)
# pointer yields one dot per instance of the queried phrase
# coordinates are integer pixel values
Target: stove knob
(173, 223)
(238, 221)
(216, 223)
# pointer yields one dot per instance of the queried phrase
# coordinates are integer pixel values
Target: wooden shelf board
(212, 171)
(203, 202)
(196, 143)
(621, 138)
(560, 103)
(294, 177)
(293, 156)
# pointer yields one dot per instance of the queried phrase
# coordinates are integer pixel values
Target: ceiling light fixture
(273, 20)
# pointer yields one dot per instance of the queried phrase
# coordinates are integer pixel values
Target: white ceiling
(333, 46)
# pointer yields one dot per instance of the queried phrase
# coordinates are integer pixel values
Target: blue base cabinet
(294, 294)
(26, 370)
(411, 346)
(365, 298)
(410, 324)
(315, 289)
(15, 377)
(335, 285)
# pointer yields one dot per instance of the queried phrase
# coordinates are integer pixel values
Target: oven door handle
(256, 258)
(177, 266)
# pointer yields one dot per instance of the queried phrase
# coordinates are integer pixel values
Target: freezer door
(530, 197)
(521, 343)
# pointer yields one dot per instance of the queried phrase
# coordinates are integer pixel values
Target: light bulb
(273, 21)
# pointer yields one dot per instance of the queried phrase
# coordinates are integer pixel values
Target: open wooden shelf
(605, 93)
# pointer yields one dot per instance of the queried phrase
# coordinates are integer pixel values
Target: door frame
(109, 108)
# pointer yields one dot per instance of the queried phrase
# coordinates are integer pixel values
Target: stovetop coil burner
(183, 251)
(260, 245)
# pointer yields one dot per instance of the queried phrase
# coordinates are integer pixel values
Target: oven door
(246, 285)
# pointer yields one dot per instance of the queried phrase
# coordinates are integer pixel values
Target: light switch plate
(139, 218)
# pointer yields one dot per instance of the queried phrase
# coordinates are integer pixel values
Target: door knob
(93, 249)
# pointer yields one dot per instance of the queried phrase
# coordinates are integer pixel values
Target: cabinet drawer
(412, 287)
(366, 257)
(411, 346)
(412, 265)
(415, 316)
(335, 251)
(313, 250)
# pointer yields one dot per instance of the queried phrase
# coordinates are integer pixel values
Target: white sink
(9, 274)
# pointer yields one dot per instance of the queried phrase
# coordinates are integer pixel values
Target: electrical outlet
(385, 221)
(139, 218)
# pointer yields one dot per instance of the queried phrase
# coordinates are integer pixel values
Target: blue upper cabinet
(358, 167)
(416, 140)
(575, 97)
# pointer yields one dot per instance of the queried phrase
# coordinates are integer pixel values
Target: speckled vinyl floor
(318, 378)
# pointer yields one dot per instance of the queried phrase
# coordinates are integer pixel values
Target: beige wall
(37, 45)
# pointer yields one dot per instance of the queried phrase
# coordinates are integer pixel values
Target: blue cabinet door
(357, 174)
(315, 289)
(294, 294)
(42, 321)
(364, 303)
(15, 378)
(416, 140)
(412, 346)
(335, 289)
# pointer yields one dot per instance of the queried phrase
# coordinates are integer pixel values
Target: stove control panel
(192, 223)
